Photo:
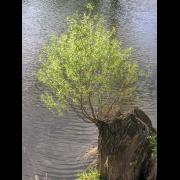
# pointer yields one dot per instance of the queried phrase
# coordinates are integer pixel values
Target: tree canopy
(86, 68)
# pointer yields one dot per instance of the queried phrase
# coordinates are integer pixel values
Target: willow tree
(88, 70)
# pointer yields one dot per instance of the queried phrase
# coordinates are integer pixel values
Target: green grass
(89, 174)
(153, 144)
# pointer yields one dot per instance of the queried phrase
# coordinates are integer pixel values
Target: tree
(87, 69)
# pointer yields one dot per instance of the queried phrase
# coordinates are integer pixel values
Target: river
(55, 145)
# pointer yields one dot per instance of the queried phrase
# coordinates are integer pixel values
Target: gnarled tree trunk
(124, 152)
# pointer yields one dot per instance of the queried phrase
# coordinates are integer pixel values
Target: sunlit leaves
(84, 61)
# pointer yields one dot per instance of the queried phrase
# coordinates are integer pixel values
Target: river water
(54, 145)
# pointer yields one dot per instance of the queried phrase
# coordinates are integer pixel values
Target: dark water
(55, 145)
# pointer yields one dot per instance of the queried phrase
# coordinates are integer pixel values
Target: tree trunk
(124, 152)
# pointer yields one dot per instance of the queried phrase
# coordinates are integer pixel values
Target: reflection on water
(56, 144)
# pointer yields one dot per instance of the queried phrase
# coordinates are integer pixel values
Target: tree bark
(124, 152)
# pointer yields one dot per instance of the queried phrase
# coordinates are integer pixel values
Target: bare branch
(91, 107)
(79, 114)
(84, 110)
(110, 108)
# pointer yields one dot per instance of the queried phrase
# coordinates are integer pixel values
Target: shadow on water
(113, 14)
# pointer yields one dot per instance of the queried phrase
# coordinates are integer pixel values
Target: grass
(153, 144)
(89, 174)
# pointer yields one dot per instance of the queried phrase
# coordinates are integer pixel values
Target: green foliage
(90, 174)
(86, 67)
(153, 144)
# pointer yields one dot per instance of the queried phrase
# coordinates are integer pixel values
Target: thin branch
(110, 108)
(91, 107)
(84, 110)
(79, 115)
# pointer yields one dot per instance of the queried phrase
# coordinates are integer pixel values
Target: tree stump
(124, 151)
